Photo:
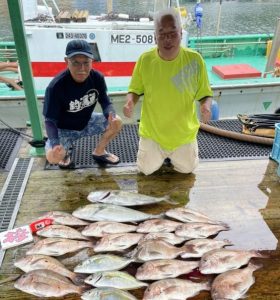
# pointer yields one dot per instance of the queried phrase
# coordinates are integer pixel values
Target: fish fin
(168, 200)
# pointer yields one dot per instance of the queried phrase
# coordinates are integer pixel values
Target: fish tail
(255, 266)
(79, 279)
(256, 253)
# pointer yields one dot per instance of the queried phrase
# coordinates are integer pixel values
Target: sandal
(105, 159)
(67, 162)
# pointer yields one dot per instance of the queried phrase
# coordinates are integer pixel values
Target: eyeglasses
(78, 64)
(169, 35)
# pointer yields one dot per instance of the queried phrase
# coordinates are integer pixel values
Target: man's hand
(205, 109)
(56, 154)
(115, 123)
(128, 108)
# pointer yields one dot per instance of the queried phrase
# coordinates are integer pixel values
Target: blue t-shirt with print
(70, 104)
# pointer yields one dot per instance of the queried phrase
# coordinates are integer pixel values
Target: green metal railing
(14, 7)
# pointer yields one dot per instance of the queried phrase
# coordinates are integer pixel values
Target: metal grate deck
(9, 147)
(11, 194)
(211, 147)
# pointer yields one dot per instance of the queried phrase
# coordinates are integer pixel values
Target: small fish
(117, 242)
(102, 262)
(115, 279)
(186, 215)
(99, 229)
(155, 249)
(199, 230)
(61, 231)
(234, 284)
(37, 261)
(168, 237)
(110, 212)
(198, 247)
(64, 218)
(46, 283)
(57, 247)
(175, 289)
(164, 268)
(106, 293)
(157, 225)
(222, 260)
(123, 198)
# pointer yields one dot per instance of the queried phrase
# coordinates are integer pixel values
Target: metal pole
(109, 6)
(274, 49)
(219, 18)
(24, 61)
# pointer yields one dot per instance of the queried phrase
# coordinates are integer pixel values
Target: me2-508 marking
(132, 39)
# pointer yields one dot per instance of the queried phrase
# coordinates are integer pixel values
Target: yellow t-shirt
(170, 88)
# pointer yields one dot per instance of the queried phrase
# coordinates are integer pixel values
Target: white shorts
(151, 156)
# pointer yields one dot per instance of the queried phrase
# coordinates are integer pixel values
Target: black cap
(76, 47)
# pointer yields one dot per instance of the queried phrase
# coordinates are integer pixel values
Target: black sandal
(70, 164)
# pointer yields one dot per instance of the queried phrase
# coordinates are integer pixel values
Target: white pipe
(55, 5)
(274, 49)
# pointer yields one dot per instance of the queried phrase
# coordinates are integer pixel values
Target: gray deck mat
(10, 143)
(211, 147)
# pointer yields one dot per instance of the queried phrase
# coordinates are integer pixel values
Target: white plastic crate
(275, 153)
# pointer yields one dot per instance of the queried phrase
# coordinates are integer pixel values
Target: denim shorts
(96, 125)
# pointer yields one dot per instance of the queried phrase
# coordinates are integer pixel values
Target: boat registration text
(132, 39)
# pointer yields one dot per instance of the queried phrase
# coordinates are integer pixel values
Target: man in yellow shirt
(172, 79)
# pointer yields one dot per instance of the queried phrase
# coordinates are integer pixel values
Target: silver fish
(57, 247)
(110, 212)
(164, 268)
(155, 249)
(168, 237)
(157, 225)
(38, 261)
(234, 284)
(99, 229)
(186, 215)
(64, 218)
(61, 231)
(199, 230)
(46, 283)
(115, 279)
(124, 198)
(117, 242)
(106, 293)
(102, 262)
(175, 289)
(222, 260)
(198, 247)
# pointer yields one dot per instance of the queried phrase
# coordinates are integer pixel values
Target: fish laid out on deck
(110, 212)
(234, 284)
(102, 262)
(46, 283)
(124, 198)
(115, 279)
(37, 261)
(178, 289)
(107, 293)
(144, 241)
(222, 260)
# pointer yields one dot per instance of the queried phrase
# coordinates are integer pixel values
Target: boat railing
(226, 48)
(8, 54)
